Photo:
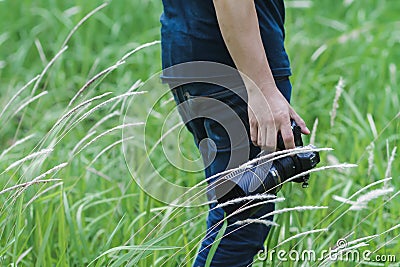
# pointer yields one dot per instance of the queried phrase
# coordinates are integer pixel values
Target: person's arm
(269, 112)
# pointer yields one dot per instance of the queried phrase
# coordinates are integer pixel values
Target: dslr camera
(264, 176)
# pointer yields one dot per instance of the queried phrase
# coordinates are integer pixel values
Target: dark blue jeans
(220, 152)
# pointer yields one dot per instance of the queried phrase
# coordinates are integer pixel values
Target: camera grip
(296, 134)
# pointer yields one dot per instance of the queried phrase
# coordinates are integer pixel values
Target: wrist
(266, 89)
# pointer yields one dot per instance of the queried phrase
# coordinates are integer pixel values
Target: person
(247, 35)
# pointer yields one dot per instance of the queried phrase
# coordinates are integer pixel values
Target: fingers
(270, 139)
(266, 137)
(254, 134)
(300, 122)
(287, 136)
(263, 137)
(265, 125)
(253, 127)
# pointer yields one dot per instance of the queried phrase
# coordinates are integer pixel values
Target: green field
(67, 193)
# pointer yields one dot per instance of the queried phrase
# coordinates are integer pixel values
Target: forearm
(269, 112)
(238, 23)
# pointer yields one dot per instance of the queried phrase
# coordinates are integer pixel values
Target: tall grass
(67, 198)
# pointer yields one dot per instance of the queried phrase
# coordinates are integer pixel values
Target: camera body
(262, 177)
(300, 162)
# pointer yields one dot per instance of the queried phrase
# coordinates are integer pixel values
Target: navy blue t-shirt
(190, 32)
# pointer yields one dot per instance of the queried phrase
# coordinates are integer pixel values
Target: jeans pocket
(217, 133)
(222, 111)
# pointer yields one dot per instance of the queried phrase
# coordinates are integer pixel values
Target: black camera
(265, 177)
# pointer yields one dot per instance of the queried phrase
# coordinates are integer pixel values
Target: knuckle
(266, 123)
(281, 115)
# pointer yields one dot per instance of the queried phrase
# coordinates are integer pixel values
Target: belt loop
(281, 78)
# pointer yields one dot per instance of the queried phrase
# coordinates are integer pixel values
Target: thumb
(300, 122)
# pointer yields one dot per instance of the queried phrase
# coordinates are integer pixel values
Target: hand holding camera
(262, 177)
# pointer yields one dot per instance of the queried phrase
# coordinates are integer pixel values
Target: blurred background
(67, 197)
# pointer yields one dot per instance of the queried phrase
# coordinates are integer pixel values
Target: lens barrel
(269, 182)
(261, 178)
